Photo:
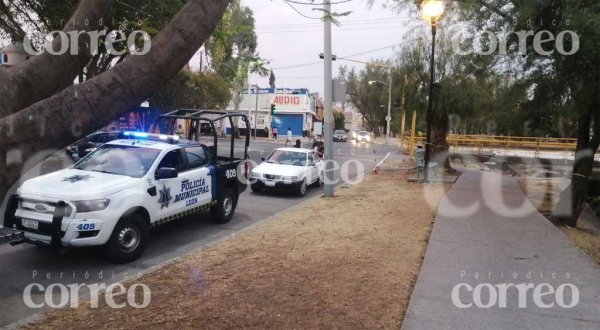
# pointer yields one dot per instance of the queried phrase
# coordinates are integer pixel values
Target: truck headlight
(91, 206)
(256, 175)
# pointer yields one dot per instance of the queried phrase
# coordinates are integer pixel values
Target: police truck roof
(151, 140)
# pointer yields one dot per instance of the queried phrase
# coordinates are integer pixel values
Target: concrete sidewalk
(486, 234)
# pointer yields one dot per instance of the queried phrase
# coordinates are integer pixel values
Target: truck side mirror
(166, 173)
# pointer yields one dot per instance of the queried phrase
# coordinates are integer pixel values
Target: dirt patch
(588, 242)
(346, 262)
(544, 195)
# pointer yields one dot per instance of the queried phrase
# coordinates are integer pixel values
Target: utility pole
(388, 118)
(328, 120)
(256, 110)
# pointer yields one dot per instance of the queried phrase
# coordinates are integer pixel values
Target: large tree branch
(46, 74)
(80, 109)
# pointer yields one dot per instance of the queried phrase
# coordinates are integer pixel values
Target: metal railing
(481, 142)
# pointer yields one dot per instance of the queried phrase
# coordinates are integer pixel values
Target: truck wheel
(302, 188)
(128, 239)
(222, 212)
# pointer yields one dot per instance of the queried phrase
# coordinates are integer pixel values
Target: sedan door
(313, 167)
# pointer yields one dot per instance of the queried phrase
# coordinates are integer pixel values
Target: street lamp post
(432, 11)
(388, 118)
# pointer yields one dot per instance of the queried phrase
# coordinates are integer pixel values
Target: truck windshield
(121, 160)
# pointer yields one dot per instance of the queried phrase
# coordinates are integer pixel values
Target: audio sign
(293, 100)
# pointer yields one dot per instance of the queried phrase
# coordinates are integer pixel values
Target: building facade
(13, 54)
(294, 109)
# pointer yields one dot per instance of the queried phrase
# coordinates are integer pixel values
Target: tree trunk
(572, 200)
(81, 109)
(46, 74)
(439, 130)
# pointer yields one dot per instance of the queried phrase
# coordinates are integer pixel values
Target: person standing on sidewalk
(180, 132)
(288, 139)
(275, 133)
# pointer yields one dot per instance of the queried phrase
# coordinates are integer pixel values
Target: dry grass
(346, 262)
(586, 241)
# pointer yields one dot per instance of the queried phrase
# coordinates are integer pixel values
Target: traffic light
(273, 109)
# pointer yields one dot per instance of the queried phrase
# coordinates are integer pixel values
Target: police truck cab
(114, 195)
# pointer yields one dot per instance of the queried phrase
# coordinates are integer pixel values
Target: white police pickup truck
(114, 195)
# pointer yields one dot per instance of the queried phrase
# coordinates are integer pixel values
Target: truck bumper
(61, 230)
(9, 235)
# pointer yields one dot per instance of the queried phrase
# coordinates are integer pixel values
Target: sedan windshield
(340, 132)
(121, 160)
(287, 158)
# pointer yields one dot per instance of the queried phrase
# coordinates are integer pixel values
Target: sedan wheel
(302, 188)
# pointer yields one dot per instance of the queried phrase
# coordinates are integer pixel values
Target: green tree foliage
(339, 120)
(39, 17)
(194, 90)
(369, 98)
(546, 93)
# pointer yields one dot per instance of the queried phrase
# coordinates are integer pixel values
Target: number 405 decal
(232, 173)
(86, 226)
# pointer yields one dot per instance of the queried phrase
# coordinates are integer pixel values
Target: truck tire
(128, 240)
(302, 188)
(223, 211)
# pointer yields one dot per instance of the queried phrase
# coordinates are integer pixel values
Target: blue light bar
(136, 134)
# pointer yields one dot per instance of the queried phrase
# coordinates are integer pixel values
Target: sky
(288, 40)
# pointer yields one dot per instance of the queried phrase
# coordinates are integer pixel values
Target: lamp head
(432, 10)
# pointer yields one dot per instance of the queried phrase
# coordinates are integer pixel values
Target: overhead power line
(343, 23)
(338, 30)
(346, 56)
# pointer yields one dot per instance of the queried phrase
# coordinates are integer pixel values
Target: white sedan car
(291, 169)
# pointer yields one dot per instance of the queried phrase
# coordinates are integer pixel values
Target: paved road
(488, 236)
(26, 264)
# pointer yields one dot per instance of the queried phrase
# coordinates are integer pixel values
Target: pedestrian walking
(275, 133)
(288, 140)
(180, 132)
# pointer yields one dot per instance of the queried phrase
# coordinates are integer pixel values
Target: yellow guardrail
(503, 142)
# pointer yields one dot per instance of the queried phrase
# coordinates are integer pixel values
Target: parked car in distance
(340, 136)
(364, 136)
(290, 169)
(90, 143)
